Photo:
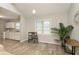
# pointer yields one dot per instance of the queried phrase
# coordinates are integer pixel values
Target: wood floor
(17, 48)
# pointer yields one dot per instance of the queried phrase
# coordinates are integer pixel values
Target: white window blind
(42, 27)
(18, 25)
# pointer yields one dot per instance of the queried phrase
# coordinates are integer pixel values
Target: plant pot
(63, 43)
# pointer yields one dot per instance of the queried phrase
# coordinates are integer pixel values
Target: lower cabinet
(17, 36)
(13, 35)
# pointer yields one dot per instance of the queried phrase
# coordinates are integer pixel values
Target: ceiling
(7, 14)
(42, 8)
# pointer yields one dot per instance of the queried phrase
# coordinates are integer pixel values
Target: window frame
(42, 27)
(18, 27)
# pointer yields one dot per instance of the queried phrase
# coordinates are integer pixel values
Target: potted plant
(63, 32)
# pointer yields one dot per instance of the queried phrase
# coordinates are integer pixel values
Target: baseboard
(49, 42)
(43, 42)
(22, 40)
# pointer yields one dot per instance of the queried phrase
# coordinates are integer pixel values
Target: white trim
(50, 42)
(22, 40)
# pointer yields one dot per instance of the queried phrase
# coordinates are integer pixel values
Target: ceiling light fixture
(1, 16)
(33, 11)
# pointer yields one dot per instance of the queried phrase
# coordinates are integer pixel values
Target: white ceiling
(8, 15)
(42, 8)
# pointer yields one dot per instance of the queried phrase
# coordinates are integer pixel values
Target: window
(46, 28)
(17, 25)
(42, 27)
(38, 26)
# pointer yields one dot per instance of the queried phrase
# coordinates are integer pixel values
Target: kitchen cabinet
(11, 25)
(17, 36)
(13, 35)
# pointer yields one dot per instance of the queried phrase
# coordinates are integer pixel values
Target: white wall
(2, 27)
(54, 20)
(73, 11)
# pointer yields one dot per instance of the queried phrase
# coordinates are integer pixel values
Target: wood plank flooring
(17, 48)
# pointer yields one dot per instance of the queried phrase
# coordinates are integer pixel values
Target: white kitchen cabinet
(11, 25)
(17, 36)
(13, 35)
(6, 34)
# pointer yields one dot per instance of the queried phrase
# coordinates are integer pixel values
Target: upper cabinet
(11, 25)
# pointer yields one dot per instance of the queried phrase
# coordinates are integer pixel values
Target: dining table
(73, 43)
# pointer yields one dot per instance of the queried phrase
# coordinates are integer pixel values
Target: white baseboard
(49, 42)
(43, 42)
(22, 40)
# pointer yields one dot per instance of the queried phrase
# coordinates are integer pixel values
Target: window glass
(17, 25)
(42, 27)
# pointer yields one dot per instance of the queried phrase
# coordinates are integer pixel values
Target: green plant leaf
(63, 31)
